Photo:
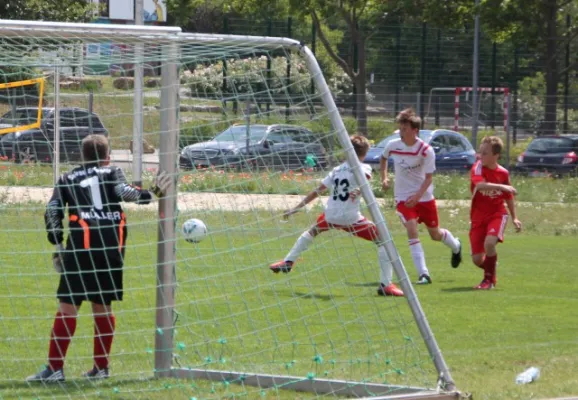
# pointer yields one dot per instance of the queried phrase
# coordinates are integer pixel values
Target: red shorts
(494, 226)
(425, 212)
(363, 228)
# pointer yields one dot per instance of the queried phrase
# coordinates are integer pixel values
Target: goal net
(206, 320)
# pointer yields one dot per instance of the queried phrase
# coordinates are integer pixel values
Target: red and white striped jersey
(411, 164)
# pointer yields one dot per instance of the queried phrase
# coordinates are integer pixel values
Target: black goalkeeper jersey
(92, 195)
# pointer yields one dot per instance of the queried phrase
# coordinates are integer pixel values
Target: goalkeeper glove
(57, 258)
(161, 184)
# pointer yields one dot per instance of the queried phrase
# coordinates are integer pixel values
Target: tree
(47, 10)
(539, 24)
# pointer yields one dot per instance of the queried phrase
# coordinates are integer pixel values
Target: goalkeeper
(91, 265)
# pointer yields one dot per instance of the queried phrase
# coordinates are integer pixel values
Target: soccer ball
(194, 230)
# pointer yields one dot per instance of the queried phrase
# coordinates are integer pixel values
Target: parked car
(239, 146)
(550, 155)
(38, 144)
(453, 150)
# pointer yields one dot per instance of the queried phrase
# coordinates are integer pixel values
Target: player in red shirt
(490, 186)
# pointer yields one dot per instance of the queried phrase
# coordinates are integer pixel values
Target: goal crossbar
(458, 91)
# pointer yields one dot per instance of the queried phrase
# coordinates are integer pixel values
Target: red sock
(62, 331)
(490, 268)
(103, 335)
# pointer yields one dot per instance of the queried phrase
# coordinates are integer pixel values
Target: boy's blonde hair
(495, 142)
(408, 116)
(360, 145)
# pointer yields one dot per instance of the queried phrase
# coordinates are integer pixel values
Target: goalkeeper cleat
(47, 376)
(424, 279)
(281, 266)
(486, 284)
(389, 290)
(457, 257)
(95, 373)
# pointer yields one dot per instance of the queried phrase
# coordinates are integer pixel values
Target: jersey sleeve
(55, 213)
(328, 180)
(430, 160)
(128, 193)
(507, 196)
(476, 175)
(366, 168)
(386, 151)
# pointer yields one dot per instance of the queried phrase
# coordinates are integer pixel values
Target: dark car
(38, 144)
(242, 146)
(550, 155)
(453, 150)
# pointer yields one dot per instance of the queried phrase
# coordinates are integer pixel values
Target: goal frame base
(342, 388)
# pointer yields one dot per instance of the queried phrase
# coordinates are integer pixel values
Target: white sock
(418, 256)
(299, 247)
(385, 266)
(450, 241)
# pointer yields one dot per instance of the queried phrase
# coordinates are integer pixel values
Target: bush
(249, 75)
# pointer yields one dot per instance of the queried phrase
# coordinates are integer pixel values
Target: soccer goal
(237, 123)
(458, 108)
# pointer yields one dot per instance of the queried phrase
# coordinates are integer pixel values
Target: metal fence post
(567, 76)
(397, 69)
(494, 78)
(423, 69)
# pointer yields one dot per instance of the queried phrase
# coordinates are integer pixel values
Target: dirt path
(194, 201)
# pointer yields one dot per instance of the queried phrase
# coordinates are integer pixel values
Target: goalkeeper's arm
(54, 215)
(129, 193)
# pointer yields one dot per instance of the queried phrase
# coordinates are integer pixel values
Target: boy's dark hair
(360, 145)
(408, 116)
(94, 148)
(495, 142)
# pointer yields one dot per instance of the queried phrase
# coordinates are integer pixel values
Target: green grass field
(322, 319)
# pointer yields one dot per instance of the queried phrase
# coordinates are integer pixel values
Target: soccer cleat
(424, 279)
(281, 266)
(457, 257)
(389, 290)
(95, 373)
(47, 376)
(486, 284)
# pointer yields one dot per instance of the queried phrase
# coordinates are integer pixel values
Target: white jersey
(411, 164)
(341, 209)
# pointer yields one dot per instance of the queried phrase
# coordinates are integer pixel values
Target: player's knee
(314, 232)
(435, 234)
(478, 259)
(68, 309)
(490, 245)
(411, 227)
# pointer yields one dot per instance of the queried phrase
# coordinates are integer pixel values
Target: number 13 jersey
(341, 208)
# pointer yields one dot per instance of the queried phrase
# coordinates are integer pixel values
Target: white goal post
(173, 45)
(467, 89)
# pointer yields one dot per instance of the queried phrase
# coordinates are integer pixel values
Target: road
(123, 159)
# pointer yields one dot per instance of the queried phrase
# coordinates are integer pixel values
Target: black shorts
(92, 276)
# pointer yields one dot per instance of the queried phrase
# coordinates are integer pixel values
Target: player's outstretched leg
(302, 243)
(386, 286)
(281, 266)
